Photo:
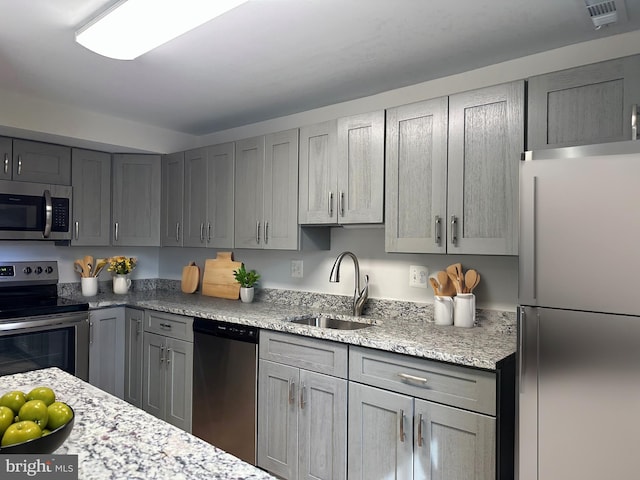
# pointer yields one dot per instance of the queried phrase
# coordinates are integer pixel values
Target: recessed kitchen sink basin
(331, 322)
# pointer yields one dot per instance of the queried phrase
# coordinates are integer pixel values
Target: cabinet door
(195, 199)
(317, 203)
(248, 193)
(133, 320)
(361, 166)
(584, 105)
(41, 162)
(220, 200)
(106, 350)
(179, 383)
(6, 158)
(380, 434)
(416, 177)
(136, 200)
(322, 427)
(277, 419)
(91, 182)
(280, 206)
(486, 140)
(153, 374)
(171, 224)
(453, 444)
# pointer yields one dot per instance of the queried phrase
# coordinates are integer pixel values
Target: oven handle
(48, 214)
(24, 324)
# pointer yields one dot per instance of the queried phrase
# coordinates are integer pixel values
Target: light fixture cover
(130, 28)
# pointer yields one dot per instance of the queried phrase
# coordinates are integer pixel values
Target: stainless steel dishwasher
(225, 363)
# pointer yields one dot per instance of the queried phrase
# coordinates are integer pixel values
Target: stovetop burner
(31, 288)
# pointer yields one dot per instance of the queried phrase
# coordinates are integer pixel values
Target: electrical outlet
(296, 268)
(418, 276)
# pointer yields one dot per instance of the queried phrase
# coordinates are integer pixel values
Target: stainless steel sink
(331, 322)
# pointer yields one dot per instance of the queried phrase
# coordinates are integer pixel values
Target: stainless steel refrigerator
(578, 411)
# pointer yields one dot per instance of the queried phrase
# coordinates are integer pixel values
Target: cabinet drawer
(448, 384)
(320, 356)
(169, 325)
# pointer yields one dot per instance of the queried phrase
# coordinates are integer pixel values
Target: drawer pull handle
(412, 378)
(165, 326)
(402, 435)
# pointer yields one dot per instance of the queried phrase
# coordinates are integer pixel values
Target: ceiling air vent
(606, 13)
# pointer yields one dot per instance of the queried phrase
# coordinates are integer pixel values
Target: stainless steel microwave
(34, 211)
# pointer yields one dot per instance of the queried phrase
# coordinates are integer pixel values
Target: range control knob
(38, 270)
(27, 270)
(48, 270)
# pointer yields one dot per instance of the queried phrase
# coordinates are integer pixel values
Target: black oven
(33, 211)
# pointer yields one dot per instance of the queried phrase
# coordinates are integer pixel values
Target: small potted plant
(247, 280)
(121, 268)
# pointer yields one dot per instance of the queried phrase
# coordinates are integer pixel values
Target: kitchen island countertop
(115, 440)
(483, 346)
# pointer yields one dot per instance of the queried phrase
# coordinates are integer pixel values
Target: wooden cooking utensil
(435, 286)
(455, 275)
(100, 264)
(190, 278)
(78, 266)
(446, 286)
(471, 279)
(88, 265)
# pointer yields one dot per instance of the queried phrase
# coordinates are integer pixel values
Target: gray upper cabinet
(136, 200)
(486, 140)
(584, 105)
(342, 171)
(171, 223)
(91, 182)
(220, 174)
(266, 192)
(416, 177)
(41, 162)
(6, 158)
(195, 198)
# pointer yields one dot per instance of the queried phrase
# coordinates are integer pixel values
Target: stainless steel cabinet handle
(412, 378)
(177, 231)
(402, 435)
(521, 342)
(330, 206)
(341, 204)
(302, 401)
(116, 228)
(6, 163)
(201, 232)
(438, 230)
(420, 439)
(162, 354)
(138, 326)
(165, 326)
(634, 121)
(168, 356)
(19, 165)
(266, 232)
(292, 391)
(77, 230)
(454, 229)
(48, 214)
(90, 332)
(258, 232)
(208, 232)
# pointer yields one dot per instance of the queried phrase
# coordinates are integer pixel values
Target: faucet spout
(359, 296)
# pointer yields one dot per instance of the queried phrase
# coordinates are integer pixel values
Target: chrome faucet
(359, 296)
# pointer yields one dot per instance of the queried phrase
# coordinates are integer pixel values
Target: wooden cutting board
(218, 280)
(190, 278)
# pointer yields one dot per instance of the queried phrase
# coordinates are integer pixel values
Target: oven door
(46, 341)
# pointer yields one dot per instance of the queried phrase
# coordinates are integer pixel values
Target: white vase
(121, 284)
(246, 294)
(89, 286)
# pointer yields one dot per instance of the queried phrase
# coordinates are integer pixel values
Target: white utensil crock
(464, 310)
(443, 310)
(89, 286)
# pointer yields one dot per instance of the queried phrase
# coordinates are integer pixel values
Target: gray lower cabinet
(584, 105)
(41, 162)
(133, 320)
(91, 182)
(167, 378)
(412, 418)
(171, 220)
(302, 414)
(136, 200)
(6, 158)
(106, 349)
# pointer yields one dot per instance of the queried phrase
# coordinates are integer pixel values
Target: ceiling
(270, 58)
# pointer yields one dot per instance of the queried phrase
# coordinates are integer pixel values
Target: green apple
(59, 414)
(42, 393)
(14, 400)
(36, 411)
(6, 419)
(20, 432)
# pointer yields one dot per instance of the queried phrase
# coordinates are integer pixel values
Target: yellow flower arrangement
(122, 265)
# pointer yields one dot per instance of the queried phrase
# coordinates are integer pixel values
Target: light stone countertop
(115, 440)
(483, 346)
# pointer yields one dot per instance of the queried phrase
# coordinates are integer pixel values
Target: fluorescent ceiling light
(132, 27)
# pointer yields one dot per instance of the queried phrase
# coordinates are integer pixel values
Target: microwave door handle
(48, 214)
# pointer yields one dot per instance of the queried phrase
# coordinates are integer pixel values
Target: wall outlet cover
(418, 276)
(296, 268)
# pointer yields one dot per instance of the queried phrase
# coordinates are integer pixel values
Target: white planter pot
(246, 294)
(121, 284)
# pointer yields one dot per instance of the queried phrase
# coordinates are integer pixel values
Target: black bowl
(45, 444)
